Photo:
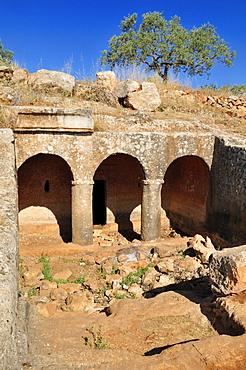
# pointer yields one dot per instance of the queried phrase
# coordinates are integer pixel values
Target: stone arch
(45, 180)
(185, 194)
(118, 192)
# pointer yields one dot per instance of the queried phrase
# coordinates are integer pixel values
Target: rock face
(107, 79)
(228, 270)
(51, 80)
(147, 98)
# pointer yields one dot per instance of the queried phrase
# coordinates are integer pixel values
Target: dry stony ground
(131, 306)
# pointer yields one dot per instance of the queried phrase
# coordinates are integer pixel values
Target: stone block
(62, 275)
(107, 79)
(147, 98)
(227, 270)
(58, 294)
(47, 309)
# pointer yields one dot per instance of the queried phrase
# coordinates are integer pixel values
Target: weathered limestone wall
(228, 192)
(8, 253)
(185, 205)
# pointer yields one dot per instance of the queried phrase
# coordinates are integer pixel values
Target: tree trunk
(164, 76)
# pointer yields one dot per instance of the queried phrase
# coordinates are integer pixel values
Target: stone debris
(202, 247)
(227, 270)
(132, 271)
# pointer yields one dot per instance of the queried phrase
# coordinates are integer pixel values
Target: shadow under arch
(44, 180)
(185, 194)
(117, 192)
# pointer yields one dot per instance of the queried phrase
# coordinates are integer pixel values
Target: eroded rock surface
(228, 270)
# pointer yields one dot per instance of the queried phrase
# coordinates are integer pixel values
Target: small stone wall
(8, 253)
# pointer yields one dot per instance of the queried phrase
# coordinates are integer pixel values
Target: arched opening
(44, 180)
(185, 194)
(117, 193)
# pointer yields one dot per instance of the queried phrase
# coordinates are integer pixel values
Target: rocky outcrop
(95, 93)
(228, 270)
(44, 80)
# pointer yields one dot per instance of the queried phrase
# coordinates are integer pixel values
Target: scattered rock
(58, 294)
(47, 309)
(62, 275)
(202, 247)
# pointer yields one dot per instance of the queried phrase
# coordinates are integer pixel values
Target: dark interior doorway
(99, 202)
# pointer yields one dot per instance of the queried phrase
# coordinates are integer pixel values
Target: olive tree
(5, 55)
(163, 45)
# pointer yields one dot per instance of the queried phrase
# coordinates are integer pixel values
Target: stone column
(151, 210)
(9, 358)
(82, 221)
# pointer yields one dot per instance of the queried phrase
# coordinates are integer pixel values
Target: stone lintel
(53, 119)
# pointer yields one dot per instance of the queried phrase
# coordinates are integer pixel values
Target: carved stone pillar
(151, 210)
(82, 221)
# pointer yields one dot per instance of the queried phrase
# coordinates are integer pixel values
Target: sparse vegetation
(96, 339)
(6, 56)
(32, 292)
(46, 271)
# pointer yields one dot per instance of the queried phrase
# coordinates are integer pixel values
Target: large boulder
(147, 98)
(227, 270)
(20, 76)
(124, 88)
(107, 79)
(44, 80)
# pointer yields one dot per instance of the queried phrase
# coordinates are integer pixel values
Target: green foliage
(123, 296)
(31, 292)
(46, 271)
(79, 280)
(134, 277)
(163, 45)
(95, 339)
(6, 56)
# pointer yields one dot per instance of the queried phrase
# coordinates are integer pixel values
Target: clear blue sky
(49, 33)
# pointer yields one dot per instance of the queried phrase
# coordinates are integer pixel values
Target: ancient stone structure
(85, 177)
